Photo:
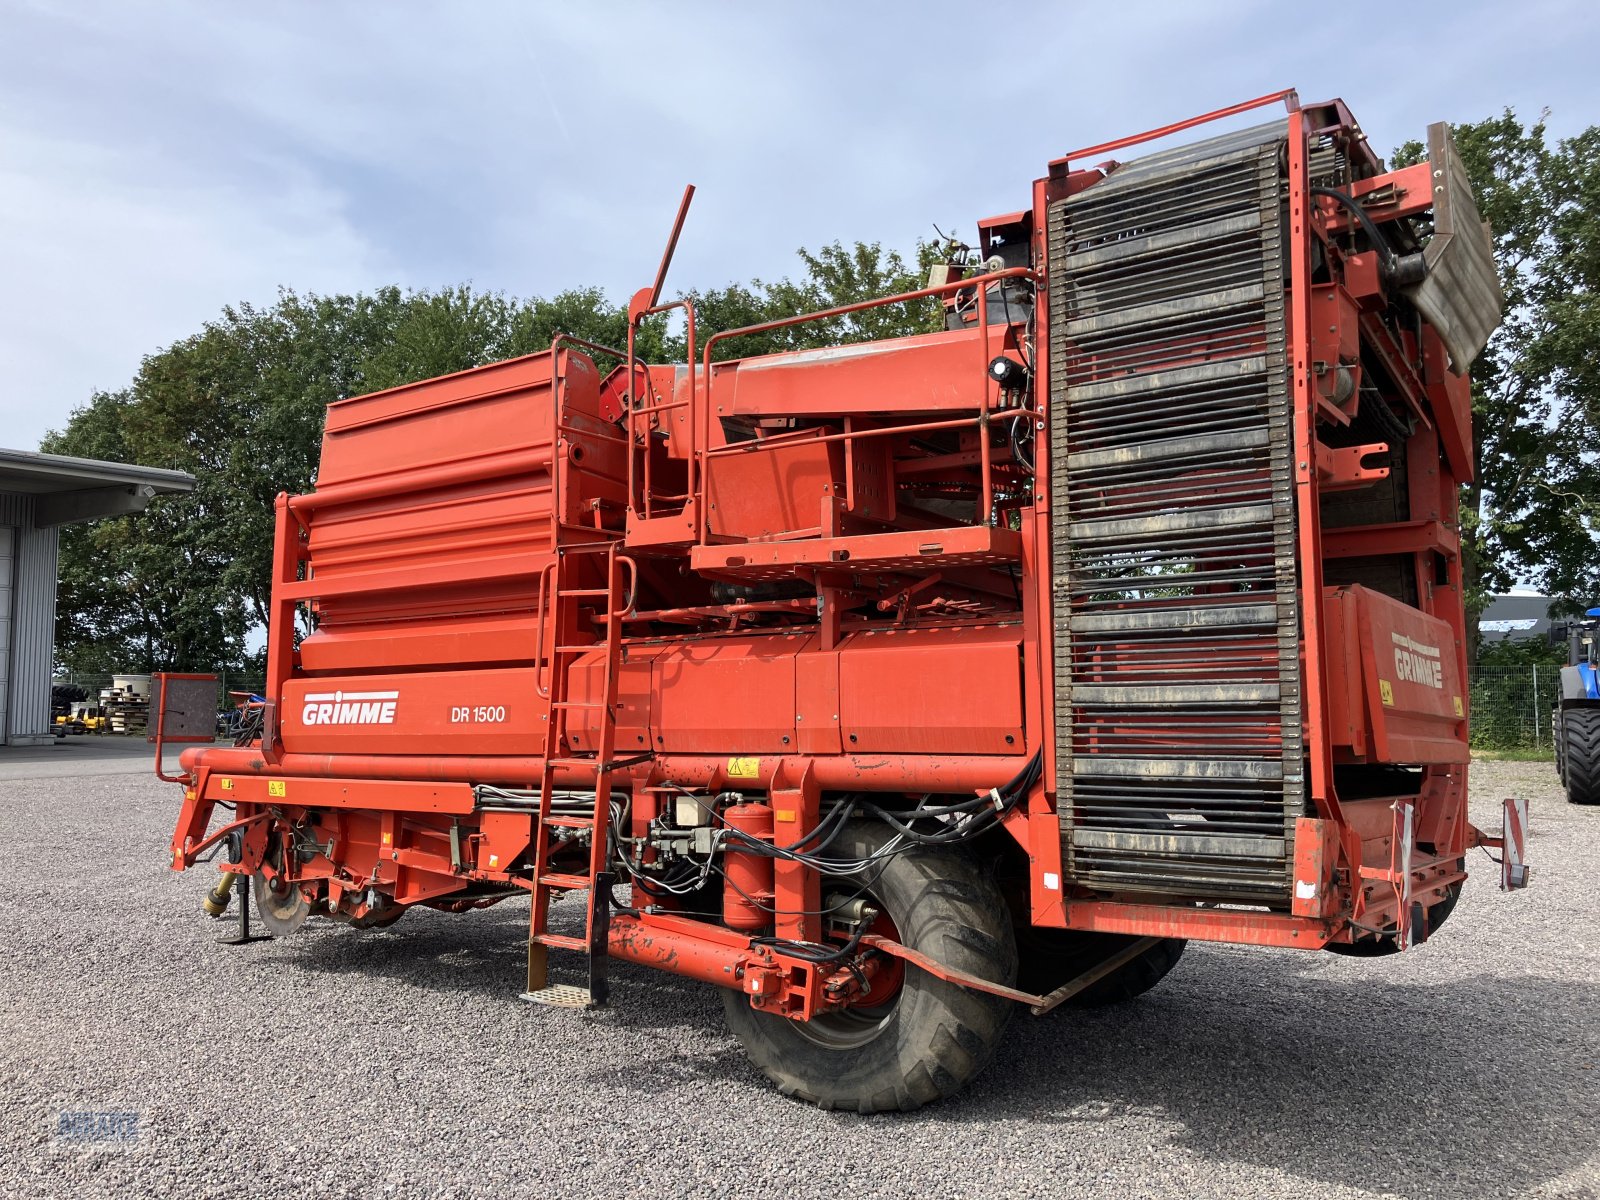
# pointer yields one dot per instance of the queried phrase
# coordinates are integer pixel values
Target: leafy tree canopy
(1532, 513)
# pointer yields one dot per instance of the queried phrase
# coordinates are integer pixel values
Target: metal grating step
(562, 995)
(1179, 743)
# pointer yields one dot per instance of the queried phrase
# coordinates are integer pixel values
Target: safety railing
(1290, 98)
(640, 487)
(557, 379)
(546, 612)
(991, 388)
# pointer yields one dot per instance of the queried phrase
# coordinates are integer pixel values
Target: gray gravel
(342, 1063)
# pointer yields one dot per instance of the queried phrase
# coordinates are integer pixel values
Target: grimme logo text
(349, 708)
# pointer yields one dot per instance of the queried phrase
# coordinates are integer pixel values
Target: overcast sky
(161, 160)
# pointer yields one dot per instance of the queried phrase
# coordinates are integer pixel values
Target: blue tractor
(1576, 721)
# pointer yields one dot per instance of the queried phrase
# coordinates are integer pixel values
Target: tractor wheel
(1559, 738)
(1053, 957)
(1580, 737)
(928, 1037)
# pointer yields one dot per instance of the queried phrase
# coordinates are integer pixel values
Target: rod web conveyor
(1177, 672)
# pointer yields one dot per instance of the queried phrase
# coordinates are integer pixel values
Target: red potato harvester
(892, 685)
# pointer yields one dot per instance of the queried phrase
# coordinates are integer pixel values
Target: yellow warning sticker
(227, 785)
(1386, 692)
(277, 787)
(1460, 712)
(744, 768)
(388, 839)
(784, 814)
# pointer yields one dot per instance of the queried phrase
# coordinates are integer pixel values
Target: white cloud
(109, 256)
(157, 162)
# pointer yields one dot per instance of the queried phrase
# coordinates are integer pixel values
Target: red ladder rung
(560, 941)
(570, 822)
(571, 883)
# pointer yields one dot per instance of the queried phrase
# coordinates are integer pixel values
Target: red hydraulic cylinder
(705, 952)
(747, 892)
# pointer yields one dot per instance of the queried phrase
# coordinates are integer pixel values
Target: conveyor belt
(1179, 744)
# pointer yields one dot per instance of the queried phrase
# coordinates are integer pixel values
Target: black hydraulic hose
(1403, 271)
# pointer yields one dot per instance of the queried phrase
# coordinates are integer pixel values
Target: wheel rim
(853, 1027)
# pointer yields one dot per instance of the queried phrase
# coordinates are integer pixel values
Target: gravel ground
(343, 1063)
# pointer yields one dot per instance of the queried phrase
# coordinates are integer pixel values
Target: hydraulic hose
(1400, 271)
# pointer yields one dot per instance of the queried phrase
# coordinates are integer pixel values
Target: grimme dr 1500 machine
(891, 686)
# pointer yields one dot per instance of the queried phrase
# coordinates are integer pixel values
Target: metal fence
(1511, 706)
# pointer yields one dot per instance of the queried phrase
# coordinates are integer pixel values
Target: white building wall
(27, 663)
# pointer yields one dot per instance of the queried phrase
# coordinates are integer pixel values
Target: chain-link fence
(1511, 706)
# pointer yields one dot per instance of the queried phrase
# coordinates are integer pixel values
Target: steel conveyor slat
(1179, 744)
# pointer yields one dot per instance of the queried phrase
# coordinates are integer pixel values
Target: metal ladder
(548, 836)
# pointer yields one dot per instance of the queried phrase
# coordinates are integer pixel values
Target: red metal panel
(1200, 924)
(1414, 694)
(1450, 399)
(1316, 854)
(433, 712)
(776, 489)
(490, 410)
(929, 372)
(635, 687)
(391, 795)
(1394, 680)
(1347, 724)
(464, 642)
(727, 695)
(933, 691)
(817, 699)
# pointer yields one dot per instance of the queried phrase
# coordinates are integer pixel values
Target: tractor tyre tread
(1133, 979)
(1053, 957)
(1580, 730)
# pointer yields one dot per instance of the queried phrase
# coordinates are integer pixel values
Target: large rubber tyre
(1052, 957)
(932, 1037)
(1580, 737)
(1560, 742)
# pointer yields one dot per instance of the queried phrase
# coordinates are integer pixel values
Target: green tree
(240, 405)
(1531, 513)
(834, 277)
(141, 593)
